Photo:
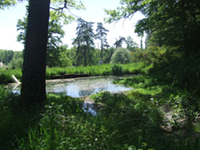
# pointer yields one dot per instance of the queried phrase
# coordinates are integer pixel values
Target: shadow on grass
(15, 120)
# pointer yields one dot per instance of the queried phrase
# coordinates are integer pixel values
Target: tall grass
(103, 70)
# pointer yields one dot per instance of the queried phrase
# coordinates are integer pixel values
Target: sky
(94, 12)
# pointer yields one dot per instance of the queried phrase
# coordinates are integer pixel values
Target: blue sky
(94, 12)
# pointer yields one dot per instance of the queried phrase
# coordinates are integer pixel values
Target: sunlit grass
(103, 70)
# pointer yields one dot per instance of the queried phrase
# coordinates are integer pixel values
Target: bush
(101, 96)
(117, 69)
(121, 55)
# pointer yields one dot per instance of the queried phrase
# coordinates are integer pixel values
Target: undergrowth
(123, 123)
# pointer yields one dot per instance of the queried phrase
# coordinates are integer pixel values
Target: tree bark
(34, 67)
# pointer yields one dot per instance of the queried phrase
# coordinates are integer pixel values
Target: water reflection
(80, 87)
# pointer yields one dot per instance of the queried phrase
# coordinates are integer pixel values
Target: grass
(103, 70)
(127, 121)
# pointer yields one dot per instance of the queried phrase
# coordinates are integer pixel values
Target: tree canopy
(121, 55)
(171, 22)
(84, 40)
(6, 3)
(101, 35)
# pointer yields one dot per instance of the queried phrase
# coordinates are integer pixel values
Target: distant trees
(85, 50)
(119, 42)
(131, 45)
(84, 41)
(6, 56)
(101, 35)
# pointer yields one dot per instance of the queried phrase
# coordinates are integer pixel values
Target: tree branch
(61, 8)
(64, 7)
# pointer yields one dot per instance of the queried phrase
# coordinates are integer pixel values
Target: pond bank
(79, 87)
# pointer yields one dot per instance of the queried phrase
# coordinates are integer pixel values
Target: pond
(78, 87)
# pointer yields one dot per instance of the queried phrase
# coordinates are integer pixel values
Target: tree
(172, 22)
(55, 33)
(121, 55)
(141, 43)
(108, 54)
(79, 39)
(64, 56)
(101, 35)
(6, 56)
(84, 40)
(131, 45)
(34, 67)
(119, 42)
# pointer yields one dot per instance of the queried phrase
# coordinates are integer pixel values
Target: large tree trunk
(34, 67)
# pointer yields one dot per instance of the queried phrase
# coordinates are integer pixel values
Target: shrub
(117, 69)
(121, 55)
(101, 96)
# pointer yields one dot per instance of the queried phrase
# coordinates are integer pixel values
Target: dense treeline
(84, 51)
(6, 56)
(64, 57)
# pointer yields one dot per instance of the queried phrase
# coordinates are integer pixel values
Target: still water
(79, 87)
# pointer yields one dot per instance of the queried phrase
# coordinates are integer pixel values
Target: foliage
(7, 3)
(126, 121)
(101, 35)
(61, 10)
(171, 23)
(121, 55)
(123, 123)
(174, 83)
(101, 96)
(84, 41)
(119, 42)
(55, 33)
(117, 69)
(131, 45)
(16, 63)
(155, 54)
(103, 70)
(6, 56)
(108, 54)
